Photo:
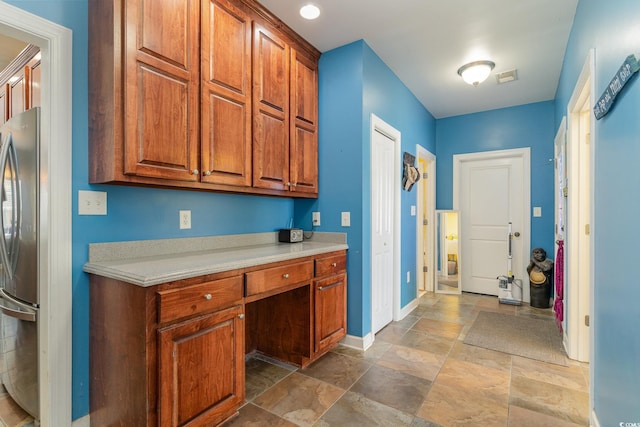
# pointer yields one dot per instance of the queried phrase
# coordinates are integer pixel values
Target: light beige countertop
(151, 262)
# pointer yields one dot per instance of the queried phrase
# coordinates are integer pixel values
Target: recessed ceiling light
(309, 11)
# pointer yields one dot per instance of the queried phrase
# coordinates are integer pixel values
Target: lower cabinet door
(201, 369)
(330, 311)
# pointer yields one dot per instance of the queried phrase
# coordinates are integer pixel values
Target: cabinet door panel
(160, 133)
(18, 93)
(162, 89)
(330, 311)
(165, 31)
(201, 369)
(4, 108)
(304, 124)
(226, 94)
(270, 110)
(35, 79)
(304, 160)
(270, 152)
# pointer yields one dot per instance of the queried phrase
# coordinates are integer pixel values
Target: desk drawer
(270, 279)
(177, 303)
(331, 265)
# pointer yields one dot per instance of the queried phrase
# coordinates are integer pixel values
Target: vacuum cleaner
(509, 288)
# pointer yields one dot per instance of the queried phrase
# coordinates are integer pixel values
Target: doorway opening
(425, 222)
(54, 241)
(578, 234)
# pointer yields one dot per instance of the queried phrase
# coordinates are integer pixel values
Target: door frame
(579, 345)
(430, 190)
(54, 242)
(522, 153)
(379, 125)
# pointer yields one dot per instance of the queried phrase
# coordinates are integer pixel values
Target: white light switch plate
(537, 211)
(346, 219)
(92, 202)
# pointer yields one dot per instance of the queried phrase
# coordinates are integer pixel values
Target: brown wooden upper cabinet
(20, 84)
(203, 94)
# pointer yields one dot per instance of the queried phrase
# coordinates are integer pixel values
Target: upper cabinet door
(4, 109)
(270, 110)
(162, 66)
(304, 124)
(226, 94)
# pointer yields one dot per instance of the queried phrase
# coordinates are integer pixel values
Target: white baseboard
(593, 422)
(82, 422)
(359, 343)
(408, 309)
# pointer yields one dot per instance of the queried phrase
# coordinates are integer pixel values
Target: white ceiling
(424, 42)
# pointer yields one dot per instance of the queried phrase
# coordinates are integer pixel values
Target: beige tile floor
(420, 373)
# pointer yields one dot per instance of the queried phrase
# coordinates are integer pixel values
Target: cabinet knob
(285, 275)
(241, 316)
(334, 264)
(295, 184)
(207, 296)
(288, 184)
(195, 172)
(207, 173)
(321, 288)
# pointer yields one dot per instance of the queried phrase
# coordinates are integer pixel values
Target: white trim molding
(54, 328)
(359, 343)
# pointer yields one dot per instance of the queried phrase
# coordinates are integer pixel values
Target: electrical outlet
(92, 202)
(315, 218)
(408, 277)
(185, 220)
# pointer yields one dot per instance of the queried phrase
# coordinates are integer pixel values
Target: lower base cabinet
(173, 355)
(193, 392)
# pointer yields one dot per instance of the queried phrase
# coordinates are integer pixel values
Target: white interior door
(382, 229)
(493, 190)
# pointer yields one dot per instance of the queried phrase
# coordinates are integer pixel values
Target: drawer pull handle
(333, 285)
(334, 264)
(207, 296)
(241, 316)
(285, 275)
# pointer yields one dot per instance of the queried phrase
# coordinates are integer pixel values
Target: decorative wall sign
(624, 74)
(411, 175)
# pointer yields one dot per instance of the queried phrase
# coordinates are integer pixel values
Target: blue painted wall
(613, 30)
(354, 83)
(530, 125)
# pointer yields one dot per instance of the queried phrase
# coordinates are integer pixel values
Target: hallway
(420, 373)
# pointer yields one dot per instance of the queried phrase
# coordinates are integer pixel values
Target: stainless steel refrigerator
(19, 293)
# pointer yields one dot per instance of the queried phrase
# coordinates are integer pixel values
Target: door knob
(517, 234)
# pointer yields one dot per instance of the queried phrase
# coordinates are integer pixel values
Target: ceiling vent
(507, 76)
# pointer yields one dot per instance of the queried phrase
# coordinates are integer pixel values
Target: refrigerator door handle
(25, 312)
(4, 158)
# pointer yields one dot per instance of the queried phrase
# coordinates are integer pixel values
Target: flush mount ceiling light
(476, 72)
(309, 11)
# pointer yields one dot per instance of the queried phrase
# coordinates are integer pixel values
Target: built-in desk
(170, 329)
